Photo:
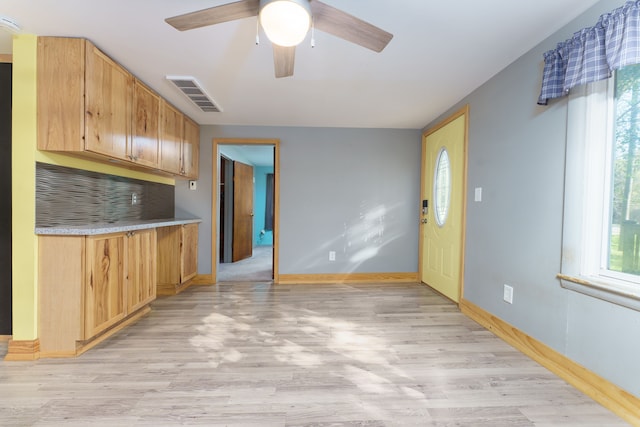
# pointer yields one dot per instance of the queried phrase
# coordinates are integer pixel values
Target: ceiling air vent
(192, 89)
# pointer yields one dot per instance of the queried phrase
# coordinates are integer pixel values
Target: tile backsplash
(68, 196)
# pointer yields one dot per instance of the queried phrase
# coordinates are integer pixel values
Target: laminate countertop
(115, 227)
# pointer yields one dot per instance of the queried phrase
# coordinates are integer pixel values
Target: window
(442, 187)
(623, 234)
(601, 237)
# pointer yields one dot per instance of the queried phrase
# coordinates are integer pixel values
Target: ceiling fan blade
(283, 59)
(334, 21)
(215, 15)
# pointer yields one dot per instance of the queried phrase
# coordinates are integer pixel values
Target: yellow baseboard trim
(4, 338)
(348, 278)
(612, 397)
(23, 350)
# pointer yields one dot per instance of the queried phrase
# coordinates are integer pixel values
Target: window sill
(615, 291)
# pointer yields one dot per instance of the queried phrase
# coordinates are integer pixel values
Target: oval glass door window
(442, 187)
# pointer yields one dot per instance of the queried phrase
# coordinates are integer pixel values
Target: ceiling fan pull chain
(313, 33)
(257, 31)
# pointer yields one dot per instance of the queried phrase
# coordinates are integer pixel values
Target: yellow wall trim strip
(101, 166)
(23, 350)
(348, 278)
(602, 391)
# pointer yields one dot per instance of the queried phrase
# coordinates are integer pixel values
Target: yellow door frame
(215, 196)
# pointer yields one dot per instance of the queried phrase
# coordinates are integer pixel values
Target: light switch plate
(192, 185)
(508, 294)
(478, 195)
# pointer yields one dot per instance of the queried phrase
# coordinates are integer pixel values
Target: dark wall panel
(5, 199)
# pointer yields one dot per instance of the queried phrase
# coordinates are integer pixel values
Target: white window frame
(588, 175)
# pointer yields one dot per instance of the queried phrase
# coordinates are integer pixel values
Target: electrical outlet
(134, 198)
(332, 255)
(508, 294)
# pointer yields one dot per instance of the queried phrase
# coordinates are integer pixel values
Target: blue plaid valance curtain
(593, 53)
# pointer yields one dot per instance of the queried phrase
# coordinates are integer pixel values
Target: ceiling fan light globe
(286, 22)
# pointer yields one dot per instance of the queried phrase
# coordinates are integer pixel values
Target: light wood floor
(301, 355)
(258, 268)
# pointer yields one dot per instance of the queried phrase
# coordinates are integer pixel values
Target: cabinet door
(169, 240)
(190, 149)
(171, 139)
(146, 126)
(189, 252)
(108, 94)
(141, 269)
(60, 88)
(104, 285)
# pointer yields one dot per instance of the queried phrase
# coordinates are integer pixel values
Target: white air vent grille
(192, 90)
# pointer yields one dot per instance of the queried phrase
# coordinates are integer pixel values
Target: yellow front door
(443, 195)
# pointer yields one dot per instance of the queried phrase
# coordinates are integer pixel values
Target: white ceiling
(441, 51)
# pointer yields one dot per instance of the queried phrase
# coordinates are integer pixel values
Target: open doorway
(245, 198)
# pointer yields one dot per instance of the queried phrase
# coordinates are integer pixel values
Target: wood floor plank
(257, 354)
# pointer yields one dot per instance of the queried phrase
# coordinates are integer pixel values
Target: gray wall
(514, 236)
(352, 191)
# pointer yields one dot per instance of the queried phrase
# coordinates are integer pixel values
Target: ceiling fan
(286, 23)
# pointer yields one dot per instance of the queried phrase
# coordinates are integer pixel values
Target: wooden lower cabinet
(177, 257)
(104, 290)
(141, 269)
(92, 286)
(189, 252)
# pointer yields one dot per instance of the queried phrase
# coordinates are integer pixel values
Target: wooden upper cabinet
(171, 139)
(84, 99)
(108, 89)
(60, 95)
(190, 149)
(146, 125)
(179, 143)
(89, 104)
